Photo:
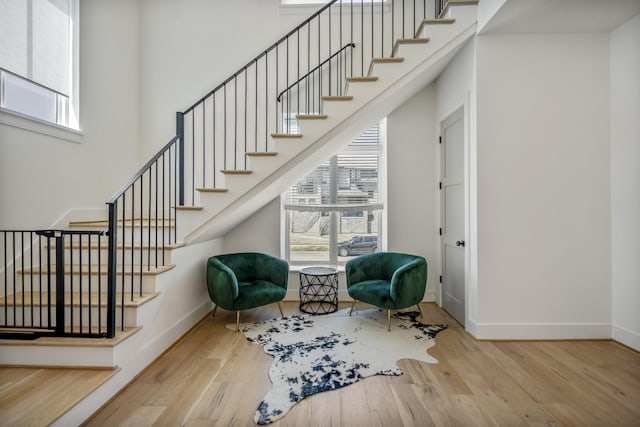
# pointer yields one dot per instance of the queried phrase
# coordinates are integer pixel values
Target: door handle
(460, 243)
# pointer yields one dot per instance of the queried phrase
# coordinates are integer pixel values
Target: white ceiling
(561, 16)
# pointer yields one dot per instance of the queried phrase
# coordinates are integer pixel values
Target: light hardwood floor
(214, 377)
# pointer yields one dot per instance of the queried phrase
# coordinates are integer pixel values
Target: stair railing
(290, 77)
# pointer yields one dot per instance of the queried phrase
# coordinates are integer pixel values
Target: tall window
(336, 212)
(38, 51)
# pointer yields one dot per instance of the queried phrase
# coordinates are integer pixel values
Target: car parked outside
(358, 245)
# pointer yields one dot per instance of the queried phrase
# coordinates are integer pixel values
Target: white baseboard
(626, 337)
(538, 331)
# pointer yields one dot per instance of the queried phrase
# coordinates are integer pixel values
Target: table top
(318, 271)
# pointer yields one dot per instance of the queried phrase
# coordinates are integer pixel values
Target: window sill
(21, 121)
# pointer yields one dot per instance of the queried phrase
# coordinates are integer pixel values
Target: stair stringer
(321, 139)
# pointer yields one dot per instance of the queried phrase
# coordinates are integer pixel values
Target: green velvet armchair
(388, 280)
(242, 281)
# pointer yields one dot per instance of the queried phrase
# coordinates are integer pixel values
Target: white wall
(455, 88)
(412, 195)
(625, 181)
(42, 177)
(188, 47)
(544, 238)
(411, 216)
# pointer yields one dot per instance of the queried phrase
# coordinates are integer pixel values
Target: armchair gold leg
(353, 304)
(419, 309)
(388, 320)
(280, 308)
(237, 321)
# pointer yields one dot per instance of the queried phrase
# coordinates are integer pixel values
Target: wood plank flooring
(214, 377)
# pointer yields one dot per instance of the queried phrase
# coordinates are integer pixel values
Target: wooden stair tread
(337, 98)
(286, 135)
(362, 79)
(400, 42)
(188, 208)
(212, 190)
(135, 222)
(236, 171)
(75, 299)
(121, 335)
(457, 3)
(438, 21)
(69, 386)
(387, 60)
(311, 116)
(261, 153)
(74, 244)
(98, 269)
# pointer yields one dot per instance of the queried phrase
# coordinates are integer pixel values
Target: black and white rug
(319, 353)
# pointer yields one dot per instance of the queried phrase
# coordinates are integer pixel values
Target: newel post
(180, 172)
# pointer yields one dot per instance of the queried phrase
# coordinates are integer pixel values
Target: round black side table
(318, 290)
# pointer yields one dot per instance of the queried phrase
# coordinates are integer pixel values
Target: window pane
(25, 97)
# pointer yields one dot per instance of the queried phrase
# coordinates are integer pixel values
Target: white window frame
(379, 207)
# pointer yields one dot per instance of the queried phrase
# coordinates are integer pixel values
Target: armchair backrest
(248, 266)
(378, 266)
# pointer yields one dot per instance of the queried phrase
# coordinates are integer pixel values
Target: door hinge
(441, 231)
(439, 140)
(440, 185)
(440, 279)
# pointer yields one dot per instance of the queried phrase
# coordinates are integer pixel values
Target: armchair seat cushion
(375, 292)
(257, 293)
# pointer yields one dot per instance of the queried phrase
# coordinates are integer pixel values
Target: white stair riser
(85, 282)
(143, 257)
(73, 316)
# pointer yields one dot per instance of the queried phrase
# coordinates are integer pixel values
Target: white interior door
(452, 202)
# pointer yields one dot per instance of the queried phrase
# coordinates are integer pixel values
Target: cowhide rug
(319, 353)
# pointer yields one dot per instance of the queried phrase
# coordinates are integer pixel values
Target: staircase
(166, 221)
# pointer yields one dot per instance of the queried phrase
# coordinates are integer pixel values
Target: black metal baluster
(141, 242)
(164, 209)
(23, 273)
(235, 121)
(60, 284)
(149, 228)
(39, 278)
(156, 216)
(277, 81)
(193, 162)
(213, 156)
(372, 28)
(31, 276)
(80, 279)
(224, 124)
(6, 300)
(255, 127)
(100, 282)
(245, 118)
(204, 148)
(361, 38)
(298, 57)
(71, 286)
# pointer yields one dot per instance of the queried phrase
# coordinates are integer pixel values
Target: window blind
(35, 41)
(347, 182)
